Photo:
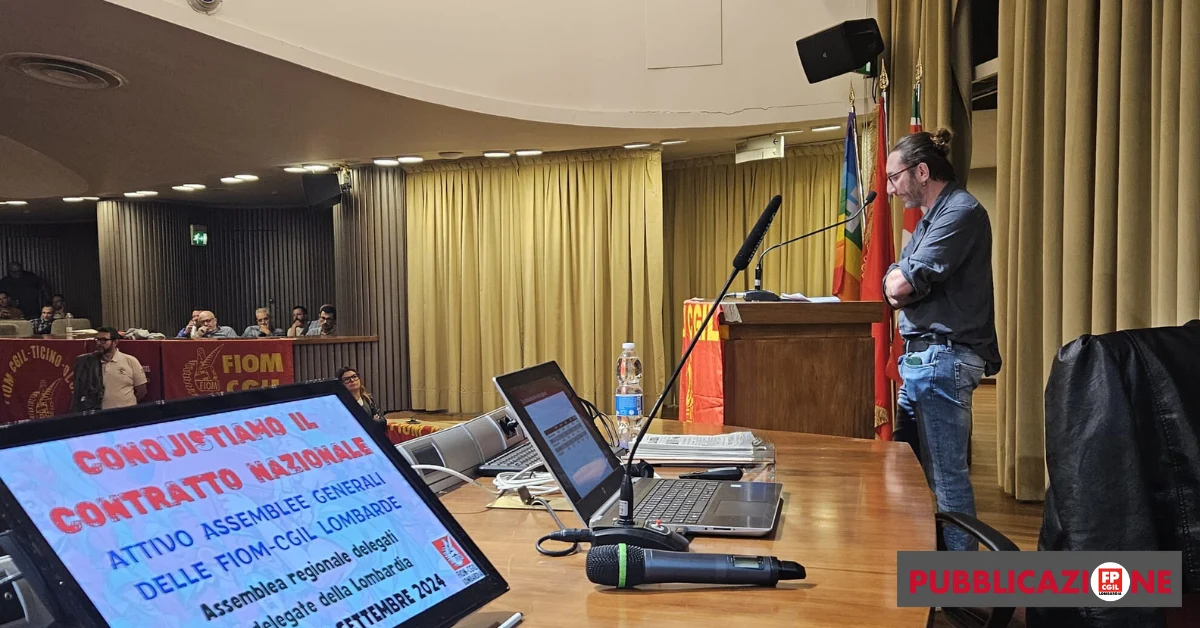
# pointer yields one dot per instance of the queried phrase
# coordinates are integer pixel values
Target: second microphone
(626, 566)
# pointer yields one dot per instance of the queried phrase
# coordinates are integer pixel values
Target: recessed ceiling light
(183, 188)
(72, 199)
(451, 154)
(673, 142)
(63, 71)
(789, 132)
(16, 203)
(638, 145)
(147, 193)
(412, 159)
(295, 169)
(496, 154)
(91, 198)
(832, 127)
(194, 186)
(387, 162)
(230, 180)
(529, 152)
(316, 168)
(246, 177)
(134, 195)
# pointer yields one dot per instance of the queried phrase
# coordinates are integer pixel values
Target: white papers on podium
(796, 296)
(684, 449)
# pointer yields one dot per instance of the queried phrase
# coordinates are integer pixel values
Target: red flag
(879, 255)
(913, 215)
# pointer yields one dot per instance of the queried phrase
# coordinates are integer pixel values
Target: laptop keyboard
(676, 501)
(515, 459)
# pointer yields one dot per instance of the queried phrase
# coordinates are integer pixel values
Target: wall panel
(143, 265)
(65, 255)
(154, 278)
(274, 258)
(321, 361)
(370, 264)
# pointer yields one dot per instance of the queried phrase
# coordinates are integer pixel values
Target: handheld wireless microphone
(626, 566)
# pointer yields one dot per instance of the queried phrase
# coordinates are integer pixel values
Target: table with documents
(733, 448)
(849, 506)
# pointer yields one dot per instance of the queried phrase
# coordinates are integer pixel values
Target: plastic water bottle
(628, 396)
(70, 328)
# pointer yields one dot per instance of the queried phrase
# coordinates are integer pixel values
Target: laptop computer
(590, 474)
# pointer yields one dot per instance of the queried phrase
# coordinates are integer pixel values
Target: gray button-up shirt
(948, 261)
(254, 332)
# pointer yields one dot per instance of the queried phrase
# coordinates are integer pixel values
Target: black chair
(990, 538)
(1123, 445)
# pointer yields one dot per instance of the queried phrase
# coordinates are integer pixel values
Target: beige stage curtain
(516, 262)
(937, 34)
(711, 204)
(1098, 176)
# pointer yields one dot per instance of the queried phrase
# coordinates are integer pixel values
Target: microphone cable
(507, 482)
(563, 534)
(536, 484)
(457, 474)
(606, 422)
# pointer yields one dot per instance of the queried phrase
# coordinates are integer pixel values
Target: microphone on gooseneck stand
(626, 566)
(758, 294)
(740, 262)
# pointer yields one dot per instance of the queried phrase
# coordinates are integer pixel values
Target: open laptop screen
(556, 422)
(280, 514)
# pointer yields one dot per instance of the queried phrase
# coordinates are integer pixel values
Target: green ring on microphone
(621, 565)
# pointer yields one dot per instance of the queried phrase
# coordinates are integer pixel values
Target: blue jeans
(934, 417)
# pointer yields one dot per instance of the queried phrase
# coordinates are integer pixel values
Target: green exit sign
(199, 235)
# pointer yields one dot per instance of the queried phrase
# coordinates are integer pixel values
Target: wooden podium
(796, 366)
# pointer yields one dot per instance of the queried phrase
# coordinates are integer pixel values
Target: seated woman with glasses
(353, 383)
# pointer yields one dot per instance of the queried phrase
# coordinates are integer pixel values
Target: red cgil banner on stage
(203, 367)
(701, 385)
(37, 378)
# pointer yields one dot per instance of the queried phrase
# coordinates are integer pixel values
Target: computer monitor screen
(282, 512)
(566, 432)
(548, 408)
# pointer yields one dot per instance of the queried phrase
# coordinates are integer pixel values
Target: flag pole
(881, 86)
(857, 150)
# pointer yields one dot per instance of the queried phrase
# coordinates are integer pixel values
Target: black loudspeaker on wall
(840, 49)
(322, 191)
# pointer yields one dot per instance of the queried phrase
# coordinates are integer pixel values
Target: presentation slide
(281, 515)
(567, 435)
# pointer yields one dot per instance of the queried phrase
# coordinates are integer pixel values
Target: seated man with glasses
(326, 323)
(207, 327)
(262, 328)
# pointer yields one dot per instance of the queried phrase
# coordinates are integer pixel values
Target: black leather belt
(917, 345)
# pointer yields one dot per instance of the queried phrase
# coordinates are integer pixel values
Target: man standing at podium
(942, 286)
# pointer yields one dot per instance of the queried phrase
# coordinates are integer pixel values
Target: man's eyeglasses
(103, 340)
(892, 177)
